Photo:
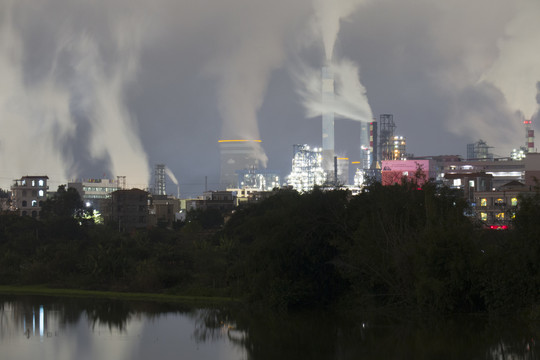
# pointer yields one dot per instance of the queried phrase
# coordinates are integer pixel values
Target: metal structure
(400, 148)
(307, 170)
(262, 180)
(479, 151)
(160, 186)
(386, 134)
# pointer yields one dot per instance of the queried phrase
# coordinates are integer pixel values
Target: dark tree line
(396, 247)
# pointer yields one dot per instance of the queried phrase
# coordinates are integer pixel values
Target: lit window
(41, 182)
(34, 203)
(457, 182)
(471, 183)
(33, 182)
(41, 193)
(483, 216)
(514, 201)
(500, 216)
(483, 202)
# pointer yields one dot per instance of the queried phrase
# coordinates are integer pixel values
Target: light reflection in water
(97, 329)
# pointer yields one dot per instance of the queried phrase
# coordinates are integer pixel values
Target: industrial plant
(491, 184)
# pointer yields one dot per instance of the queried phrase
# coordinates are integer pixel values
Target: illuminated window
(483, 202)
(457, 182)
(499, 201)
(41, 193)
(33, 182)
(500, 216)
(471, 183)
(34, 203)
(514, 201)
(41, 182)
(483, 216)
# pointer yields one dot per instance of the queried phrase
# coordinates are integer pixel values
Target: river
(39, 327)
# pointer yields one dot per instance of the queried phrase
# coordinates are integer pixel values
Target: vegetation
(396, 247)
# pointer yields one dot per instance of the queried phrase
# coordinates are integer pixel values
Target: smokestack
(327, 120)
(529, 136)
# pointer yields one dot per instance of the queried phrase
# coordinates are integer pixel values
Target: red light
(527, 121)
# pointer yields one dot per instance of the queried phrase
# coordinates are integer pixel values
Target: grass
(44, 290)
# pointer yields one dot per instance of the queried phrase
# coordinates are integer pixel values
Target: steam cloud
(171, 176)
(256, 47)
(80, 85)
(517, 68)
(329, 14)
(350, 101)
(462, 67)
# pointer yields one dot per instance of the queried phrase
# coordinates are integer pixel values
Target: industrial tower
(386, 134)
(159, 180)
(328, 122)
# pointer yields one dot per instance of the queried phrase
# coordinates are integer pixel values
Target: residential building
(129, 209)
(28, 195)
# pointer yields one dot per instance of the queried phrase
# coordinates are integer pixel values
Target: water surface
(34, 327)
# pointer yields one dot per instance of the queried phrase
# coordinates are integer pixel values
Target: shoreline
(46, 291)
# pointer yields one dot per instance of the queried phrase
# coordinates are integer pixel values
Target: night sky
(113, 87)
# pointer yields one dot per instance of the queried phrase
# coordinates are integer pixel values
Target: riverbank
(184, 299)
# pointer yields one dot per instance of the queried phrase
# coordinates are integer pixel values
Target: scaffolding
(386, 134)
(159, 180)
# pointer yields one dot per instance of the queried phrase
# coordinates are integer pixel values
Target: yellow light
(343, 158)
(355, 162)
(224, 141)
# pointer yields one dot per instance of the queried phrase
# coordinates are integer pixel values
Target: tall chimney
(328, 121)
(529, 134)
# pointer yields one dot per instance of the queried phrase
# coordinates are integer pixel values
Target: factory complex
(491, 185)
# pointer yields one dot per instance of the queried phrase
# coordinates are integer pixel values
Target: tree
(65, 203)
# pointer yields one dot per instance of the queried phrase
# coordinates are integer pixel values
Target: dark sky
(113, 87)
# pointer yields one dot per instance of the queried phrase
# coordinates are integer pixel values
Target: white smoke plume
(329, 14)
(171, 176)
(350, 100)
(517, 68)
(33, 117)
(80, 85)
(256, 45)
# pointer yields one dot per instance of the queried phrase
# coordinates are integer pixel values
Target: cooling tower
(238, 155)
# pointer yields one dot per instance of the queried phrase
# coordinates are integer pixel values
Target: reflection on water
(64, 328)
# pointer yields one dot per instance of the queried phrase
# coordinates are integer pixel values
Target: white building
(28, 195)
